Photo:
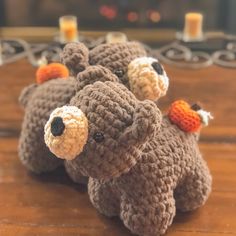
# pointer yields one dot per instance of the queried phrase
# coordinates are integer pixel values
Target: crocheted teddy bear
(143, 75)
(50, 92)
(39, 100)
(141, 165)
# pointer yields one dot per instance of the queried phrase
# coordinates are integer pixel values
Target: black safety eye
(57, 126)
(158, 68)
(98, 137)
(119, 73)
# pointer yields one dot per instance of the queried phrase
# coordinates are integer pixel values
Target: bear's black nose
(57, 126)
(157, 67)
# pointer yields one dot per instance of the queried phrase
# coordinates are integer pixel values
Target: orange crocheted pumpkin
(51, 71)
(184, 116)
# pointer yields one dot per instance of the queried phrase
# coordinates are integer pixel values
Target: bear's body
(143, 168)
(171, 172)
(41, 101)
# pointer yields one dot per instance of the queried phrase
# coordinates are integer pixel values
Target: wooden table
(52, 205)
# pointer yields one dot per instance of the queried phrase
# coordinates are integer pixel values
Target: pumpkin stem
(196, 107)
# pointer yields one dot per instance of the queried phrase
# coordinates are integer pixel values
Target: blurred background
(119, 14)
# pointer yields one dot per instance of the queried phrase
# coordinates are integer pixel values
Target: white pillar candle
(68, 29)
(116, 37)
(193, 27)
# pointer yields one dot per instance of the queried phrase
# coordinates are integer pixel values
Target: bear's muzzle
(66, 132)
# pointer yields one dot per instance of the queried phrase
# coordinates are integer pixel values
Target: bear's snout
(66, 132)
(147, 78)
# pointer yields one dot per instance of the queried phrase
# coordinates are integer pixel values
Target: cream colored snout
(66, 132)
(147, 78)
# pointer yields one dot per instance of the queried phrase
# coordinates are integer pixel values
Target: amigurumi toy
(50, 91)
(54, 88)
(143, 75)
(141, 165)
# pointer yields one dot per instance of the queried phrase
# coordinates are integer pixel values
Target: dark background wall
(117, 14)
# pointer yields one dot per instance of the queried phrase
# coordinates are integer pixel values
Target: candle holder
(180, 56)
(116, 37)
(227, 56)
(175, 54)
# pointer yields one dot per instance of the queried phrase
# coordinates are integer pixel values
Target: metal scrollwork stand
(174, 53)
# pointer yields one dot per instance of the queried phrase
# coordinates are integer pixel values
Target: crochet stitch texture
(39, 100)
(145, 167)
(143, 75)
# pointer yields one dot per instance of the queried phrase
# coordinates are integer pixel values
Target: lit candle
(116, 37)
(193, 27)
(68, 29)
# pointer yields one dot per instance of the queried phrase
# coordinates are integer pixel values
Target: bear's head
(143, 75)
(104, 128)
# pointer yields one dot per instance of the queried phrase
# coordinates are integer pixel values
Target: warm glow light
(154, 16)
(132, 16)
(109, 12)
(68, 29)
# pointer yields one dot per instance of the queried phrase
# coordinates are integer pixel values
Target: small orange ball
(51, 71)
(181, 114)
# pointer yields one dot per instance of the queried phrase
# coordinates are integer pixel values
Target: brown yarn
(39, 101)
(145, 167)
(116, 57)
(33, 152)
(142, 169)
(75, 56)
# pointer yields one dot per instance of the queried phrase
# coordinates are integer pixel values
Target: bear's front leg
(75, 174)
(148, 214)
(104, 197)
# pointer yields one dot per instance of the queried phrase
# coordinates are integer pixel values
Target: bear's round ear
(93, 74)
(76, 57)
(26, 94)
(147, 121)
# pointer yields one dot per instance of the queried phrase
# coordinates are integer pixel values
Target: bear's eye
(157, 67)
(98, 137)
(119, 73)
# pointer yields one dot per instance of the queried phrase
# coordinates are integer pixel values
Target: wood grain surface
(51, 204)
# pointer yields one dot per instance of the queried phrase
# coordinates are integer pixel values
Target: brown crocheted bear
(143, 75)
(141, 165)
(40, 99)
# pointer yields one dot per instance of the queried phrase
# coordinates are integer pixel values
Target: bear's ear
(76, 57)
(26, 94)
(147, 121)
(93, 74)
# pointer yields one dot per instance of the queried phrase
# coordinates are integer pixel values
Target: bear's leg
(75, 174)
(150, 214)
(195, 189)
(103, 197)
(34, 153)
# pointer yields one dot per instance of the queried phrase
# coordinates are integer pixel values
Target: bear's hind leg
(195, 189)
